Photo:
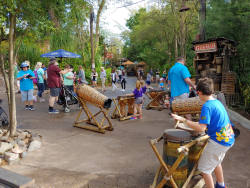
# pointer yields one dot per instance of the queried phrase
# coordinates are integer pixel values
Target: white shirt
(119, 72)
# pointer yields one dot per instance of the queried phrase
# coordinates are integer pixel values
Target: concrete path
(74, 157)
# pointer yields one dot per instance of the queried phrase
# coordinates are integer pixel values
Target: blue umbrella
(61, 54)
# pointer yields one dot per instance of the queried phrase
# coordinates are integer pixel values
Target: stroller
(67, 98)
(4, 118)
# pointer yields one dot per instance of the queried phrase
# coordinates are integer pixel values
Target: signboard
(109, 55)
(206, 47)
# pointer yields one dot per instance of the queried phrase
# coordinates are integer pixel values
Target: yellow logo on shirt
(225, 133)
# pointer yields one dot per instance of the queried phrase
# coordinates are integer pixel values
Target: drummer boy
(215, 121)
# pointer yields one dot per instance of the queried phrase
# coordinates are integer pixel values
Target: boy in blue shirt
(161, 84)
(215, 121)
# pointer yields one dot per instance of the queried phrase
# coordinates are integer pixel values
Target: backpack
(35, 80)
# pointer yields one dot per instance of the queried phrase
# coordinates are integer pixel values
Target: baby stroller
(4, 118)
(66, 98)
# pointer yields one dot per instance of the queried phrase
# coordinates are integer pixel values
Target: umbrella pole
(61, 63)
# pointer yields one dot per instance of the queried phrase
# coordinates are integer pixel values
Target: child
(148, 81)
(137, 93)
(144, 89)
(68, 80)
(114, 76)
(161, 84)
(215, 121)
(166, 102)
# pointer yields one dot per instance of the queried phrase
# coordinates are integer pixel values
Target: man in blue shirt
(215, 121)
(179, 80)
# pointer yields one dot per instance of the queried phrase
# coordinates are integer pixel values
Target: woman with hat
(26, 77)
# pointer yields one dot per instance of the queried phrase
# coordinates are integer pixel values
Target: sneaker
(218, 186)
(27, 107)
(19, 92)
(133, 118)
(42, 100)
(34, 98)
(122, 90)
(139, 117)
(31, 108)
(53, 111)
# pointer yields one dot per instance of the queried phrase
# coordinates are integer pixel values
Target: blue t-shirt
(44, 69)
(176, 75)
(162, 86)
(218, 128)
(137, 93)
(26, 83)
(144, 89)
(40, 74)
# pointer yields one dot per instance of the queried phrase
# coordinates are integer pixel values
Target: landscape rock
(35, 139)
(17, 140)
(13, 142)
(8, 156)
(16, 146)
(3, 138)
(26, 140)
(22, 136)
(24, 154)
(5, 147)
(19, 130)
(15, 137)
(23, 148)
(21, 144)
(13, 161)
(7, 134)
(9, 140)
(35, 135)
(34, 145)
(17, 134)
(17, 150)
(28, 136)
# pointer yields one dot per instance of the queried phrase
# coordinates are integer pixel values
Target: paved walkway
(74, 157)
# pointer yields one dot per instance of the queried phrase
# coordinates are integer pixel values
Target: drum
(122, 104)
(173, 139)
(195, 150)
(130, 103)
(91, 95)
(186, 105)
(154, 93)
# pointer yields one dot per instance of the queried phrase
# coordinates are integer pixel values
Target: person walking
(26, 77)
(164, 74)
(119, 75)
(81, 75)
(157, 75)
(94, 76)
(103, 78)
(123, 80)
(141, 73)
(40, 81)
(54, 83)
(114, 76)
(151, 73)
(45, 73)
(179, 80)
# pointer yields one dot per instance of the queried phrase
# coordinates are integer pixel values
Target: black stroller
(66, 98)
(4, 118)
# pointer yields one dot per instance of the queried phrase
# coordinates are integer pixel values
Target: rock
(7, 134)
(22, 136)
(23, 148)
(28, 131)
(3, 138)
(17, 134)
(8, 156)
(26, 140)
(5, 147)
(13, 142)
(35, 135)
(9, 140)
(1, 132)
(14, 138)
(34, 145)
(17, 140)
(35, 139)
(19, 130)
(28, 136)
(16, 146)
(4, 131)
(21, 144)
(13, 161)
(17, 150)
(24, 154)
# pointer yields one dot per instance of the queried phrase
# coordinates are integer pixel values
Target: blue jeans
(40, 87)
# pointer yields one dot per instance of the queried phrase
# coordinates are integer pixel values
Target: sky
(113, 14)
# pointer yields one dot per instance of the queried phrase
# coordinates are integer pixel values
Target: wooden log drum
(157, 98)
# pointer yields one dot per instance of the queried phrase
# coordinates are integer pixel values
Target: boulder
(26, 140)
(8, 156)
(3, 138)
(21, 144)
(24, 154)
(5, 147)
(22, 136)
(13, 142)
(34, 145)
(13, 161)
(17, 150)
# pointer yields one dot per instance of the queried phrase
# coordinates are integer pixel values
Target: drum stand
(118, 113)
(170, 170)
(159, 97)
(100, 127)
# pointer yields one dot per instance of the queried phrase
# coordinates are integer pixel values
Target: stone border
(237, 117)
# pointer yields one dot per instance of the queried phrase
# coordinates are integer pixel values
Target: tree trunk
(175, 46)
(12, 102)
(54, 19)
(7, 85)
(202, 20)
(97, 33)
(80, 34)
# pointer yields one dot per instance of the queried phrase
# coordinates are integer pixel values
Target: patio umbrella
(61, 54)
(142, 63)
(128, 63)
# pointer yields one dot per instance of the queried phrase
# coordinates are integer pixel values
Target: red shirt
(53, 76)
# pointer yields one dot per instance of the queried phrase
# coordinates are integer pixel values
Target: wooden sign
(109, 55)
(206, 47)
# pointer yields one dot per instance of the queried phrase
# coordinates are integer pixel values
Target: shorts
(183, 96)
(54, 91)
(94, 80)
(212, 156)
(143, 95)
(148, 83)
(27, 95)
(157, 76)
(139, 100)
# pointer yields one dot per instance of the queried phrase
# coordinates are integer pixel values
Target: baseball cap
(24, 65)
(53, 59)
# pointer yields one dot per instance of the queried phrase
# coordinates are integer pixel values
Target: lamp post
(119, 52)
